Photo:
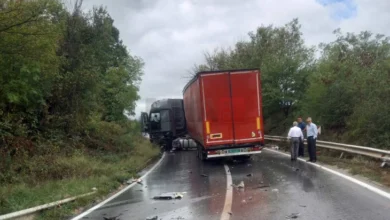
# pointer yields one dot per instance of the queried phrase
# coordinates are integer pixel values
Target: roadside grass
(72, 175)
(357, 165)
(354, 164)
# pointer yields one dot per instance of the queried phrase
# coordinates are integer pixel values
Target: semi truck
(165, 122)
(223, 111)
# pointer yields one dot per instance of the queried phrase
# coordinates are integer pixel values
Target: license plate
(234, 151)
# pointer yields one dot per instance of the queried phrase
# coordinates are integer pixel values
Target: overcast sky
(171, 35)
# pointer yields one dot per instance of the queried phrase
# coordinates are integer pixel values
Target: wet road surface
(277, 189)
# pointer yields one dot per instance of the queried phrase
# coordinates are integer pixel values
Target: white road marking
(356, 181)
(118, 193)
(227, 208)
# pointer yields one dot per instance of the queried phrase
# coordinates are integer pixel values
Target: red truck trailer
(223, 111)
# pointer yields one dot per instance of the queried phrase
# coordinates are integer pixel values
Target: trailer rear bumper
(233, 154)
(235, 151)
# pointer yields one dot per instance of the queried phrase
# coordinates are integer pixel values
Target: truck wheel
(168, 145)
(202, 154)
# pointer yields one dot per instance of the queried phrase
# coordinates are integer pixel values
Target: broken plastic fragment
(260, 186)
(112, 218)
(204, 175)
(293, 216)
(275, 190)
(132, 180)
(241, 185)
(152, 218)
(168, 196)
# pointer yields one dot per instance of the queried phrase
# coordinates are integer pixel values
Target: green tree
(29, 32)
(350, 88)
(285, 63)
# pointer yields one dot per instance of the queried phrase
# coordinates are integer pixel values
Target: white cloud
(171, 35)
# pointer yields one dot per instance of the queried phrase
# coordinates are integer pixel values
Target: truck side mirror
(144, 122)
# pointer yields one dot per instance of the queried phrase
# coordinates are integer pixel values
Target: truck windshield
(164, 116)
(155, 120)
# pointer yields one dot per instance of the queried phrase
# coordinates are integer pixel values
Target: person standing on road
(312, 133)
(296, 135)
(302, 126)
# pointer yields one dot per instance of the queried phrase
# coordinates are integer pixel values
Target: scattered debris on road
(230, 213)
(302, 206)
(169, 196)
(250, 198)
(297, 169)
(112, 218)
(132, 180)
(243, 201)
(260, 186)
(204, 175)
(240, 186)
(275, 190)
(249, 175)
(152, 218)
(293, 216)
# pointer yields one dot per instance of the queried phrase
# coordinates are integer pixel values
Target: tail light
(212, 152)
(256, 148)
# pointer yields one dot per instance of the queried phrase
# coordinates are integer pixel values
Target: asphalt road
(277, 189)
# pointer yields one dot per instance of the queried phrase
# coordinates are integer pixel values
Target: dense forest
(343, 85)
(67, 83)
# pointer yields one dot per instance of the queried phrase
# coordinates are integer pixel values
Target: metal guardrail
(384, 155)
(26, 212)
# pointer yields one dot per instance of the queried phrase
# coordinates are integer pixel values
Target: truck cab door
(144, 122)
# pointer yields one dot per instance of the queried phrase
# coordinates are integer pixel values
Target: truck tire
(201, 153)
(168, 145)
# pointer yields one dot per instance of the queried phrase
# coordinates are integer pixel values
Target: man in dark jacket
(302, 126)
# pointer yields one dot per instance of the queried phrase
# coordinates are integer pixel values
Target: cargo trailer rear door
(217, 106)
(246, 104)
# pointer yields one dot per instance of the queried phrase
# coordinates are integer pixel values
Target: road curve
(276, 189)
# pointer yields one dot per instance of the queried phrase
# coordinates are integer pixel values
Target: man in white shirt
(296, 135)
